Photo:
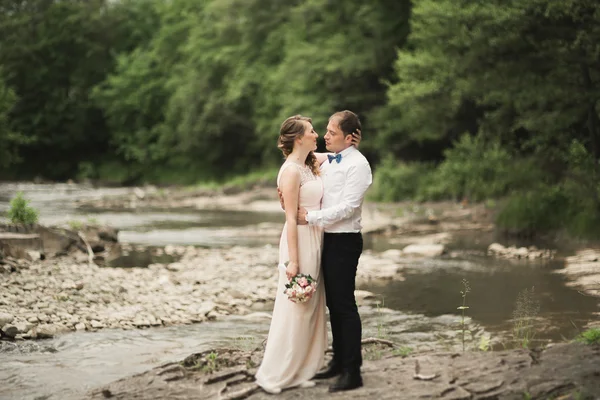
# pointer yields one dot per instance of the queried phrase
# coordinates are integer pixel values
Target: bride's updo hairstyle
(292, 128)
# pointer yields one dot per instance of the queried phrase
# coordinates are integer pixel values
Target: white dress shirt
(345, 185)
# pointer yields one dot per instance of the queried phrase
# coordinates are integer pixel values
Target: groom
(346, 178)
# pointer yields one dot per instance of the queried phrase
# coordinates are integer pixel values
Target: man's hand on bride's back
(281, 199)
(301, 219)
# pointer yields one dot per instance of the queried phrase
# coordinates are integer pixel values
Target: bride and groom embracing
(323, 196)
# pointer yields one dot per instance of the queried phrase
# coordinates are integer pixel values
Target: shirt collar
(347, 151)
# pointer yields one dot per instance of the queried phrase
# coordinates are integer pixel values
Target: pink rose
(303, 282)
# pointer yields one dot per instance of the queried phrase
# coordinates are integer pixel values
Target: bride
(298, 334)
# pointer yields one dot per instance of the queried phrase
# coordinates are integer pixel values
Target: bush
(591, 336)
(542, 209)
(20, 212)
(394, 180)
(474, 169)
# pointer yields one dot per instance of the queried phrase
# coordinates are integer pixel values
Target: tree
(220, 86)
(523, 71)
(53, 52)
(337, 55)
(9, 140)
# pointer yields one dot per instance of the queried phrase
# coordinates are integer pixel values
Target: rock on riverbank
(58, 295)
(583, 268)
(565, 371)
(520, 253)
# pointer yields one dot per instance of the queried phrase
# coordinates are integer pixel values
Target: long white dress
(298, 334)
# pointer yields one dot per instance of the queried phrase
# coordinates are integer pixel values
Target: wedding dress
(298, 334)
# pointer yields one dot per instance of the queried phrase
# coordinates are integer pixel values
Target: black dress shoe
(347, 381)
(330, 371)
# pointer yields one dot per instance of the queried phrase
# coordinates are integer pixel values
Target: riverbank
(422, 229)
(421, 245)
(47, 297)
(563, 371)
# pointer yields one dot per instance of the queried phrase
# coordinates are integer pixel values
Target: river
(422, 308)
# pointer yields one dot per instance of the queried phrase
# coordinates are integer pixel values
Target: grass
(211, 363)
(382, 331)
(20, 212)
(590, 337)
(78, 225)
(527, 308)
(208, 364)
(462, 308)
(484, 343)
(75, 225)
(373, 354)
(402, 351)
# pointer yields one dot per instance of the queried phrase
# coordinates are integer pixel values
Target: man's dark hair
(348, 121)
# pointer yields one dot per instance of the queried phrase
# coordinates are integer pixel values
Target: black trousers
(341, 252)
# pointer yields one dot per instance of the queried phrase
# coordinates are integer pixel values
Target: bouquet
(300, 288)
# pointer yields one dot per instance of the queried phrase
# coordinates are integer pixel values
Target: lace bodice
(311, 186)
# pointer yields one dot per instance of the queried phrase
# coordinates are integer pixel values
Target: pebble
(205, 284)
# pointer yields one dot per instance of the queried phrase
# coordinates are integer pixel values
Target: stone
(363, 295)
(522, 252)
(24, 327)
(108, 234)
(96, 324)
(496, 248)
(176, 267)
(205, 308)
(6, 318)
(33, 255)
(80, 326)
(392, 254)
(424, 250)
(10, 330)
(45, 331)
(56, 241)
(43, 318)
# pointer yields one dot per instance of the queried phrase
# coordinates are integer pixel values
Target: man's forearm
(329, 216)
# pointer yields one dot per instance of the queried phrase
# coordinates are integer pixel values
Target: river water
(419, 312)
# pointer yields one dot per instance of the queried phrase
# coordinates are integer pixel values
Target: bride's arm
(290, 188)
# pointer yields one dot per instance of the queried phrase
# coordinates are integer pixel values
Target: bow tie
(337, 157)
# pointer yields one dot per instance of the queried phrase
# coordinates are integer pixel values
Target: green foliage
(489, 64)
(335, 56)
(52, 54)
(463, 308)
(395, 181)
(211, 363)
(501, 96)
(9, 139)
(471, 169)
(591, 336)
(475, 170)
(75, 225)
(527, 308)
(402, 351)
(540, 209)
(484, 343)
(20, 212)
